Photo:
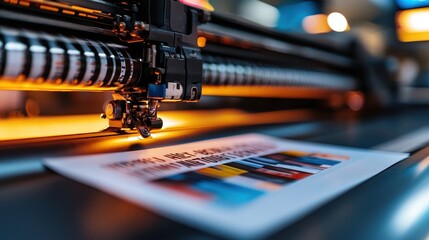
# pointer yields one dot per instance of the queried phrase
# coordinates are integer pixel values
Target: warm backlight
(17, 128)
(203, 4)
(413, 25)
(201, 41)
(175, 123)
(316, 24)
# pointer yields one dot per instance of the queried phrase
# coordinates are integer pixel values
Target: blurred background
(394, 30)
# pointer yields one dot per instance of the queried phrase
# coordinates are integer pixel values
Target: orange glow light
(269, 91)
(316, 24)
(13, 84)
(201, 41)
(176, 123)
(412, 25)
(49, 126)
(202, 4)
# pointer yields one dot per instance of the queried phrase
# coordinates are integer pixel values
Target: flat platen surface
(49, 206)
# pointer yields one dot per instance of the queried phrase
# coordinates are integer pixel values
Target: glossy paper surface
(244, 186)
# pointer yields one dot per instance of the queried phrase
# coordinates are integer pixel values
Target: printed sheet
(244, 186)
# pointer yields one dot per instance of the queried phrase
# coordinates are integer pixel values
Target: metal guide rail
(221, 71)
(40, 61)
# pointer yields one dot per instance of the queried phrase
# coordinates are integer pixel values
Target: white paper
(244, 186)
